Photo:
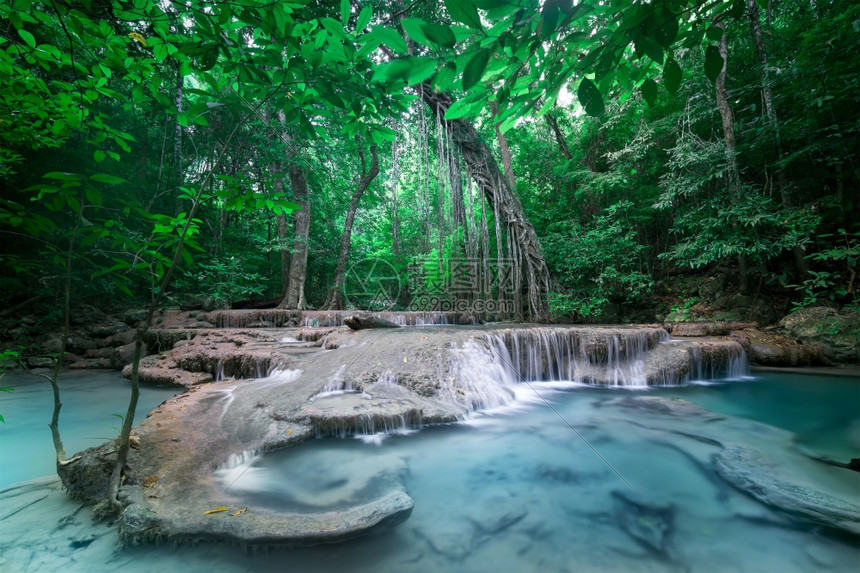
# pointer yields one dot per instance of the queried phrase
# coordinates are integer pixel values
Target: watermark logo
(464, 285)
(371, 284)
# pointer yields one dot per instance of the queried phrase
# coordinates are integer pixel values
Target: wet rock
(123, 355)
(648, 520)
(837, 332)
(99, 353)
(751, 471)
(711, 288)
(455, 543)
(497, 514)
(120, 338)
(40, 362)
(107, 329)
(133, 316)
(86, 315)
(360, 322)
(706, 328)
(741, 308)
(79, 344)
(560, 474)
(774, 349)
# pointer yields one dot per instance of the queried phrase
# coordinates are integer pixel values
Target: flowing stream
(509, 490)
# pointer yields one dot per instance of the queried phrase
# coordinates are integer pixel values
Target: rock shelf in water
(281, 386)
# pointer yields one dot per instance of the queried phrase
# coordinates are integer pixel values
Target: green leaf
(464, 107)
(412, 69)
(415, 29)
(390, 38)
(108, 179)
(666, 32)
(549, 18)
(672, 76)
(62, 176)
(440, 35)
(344, 12)
(444, 79)
(475, 68)
(93, 195)
(363, 19)
(99, 155)
(649, 91)
(714, 33)
(713, 63)
(27, 37)
(464, 11)
(647, 46)
(590, 98)
(334, 28)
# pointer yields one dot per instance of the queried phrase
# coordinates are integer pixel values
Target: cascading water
(540, 354)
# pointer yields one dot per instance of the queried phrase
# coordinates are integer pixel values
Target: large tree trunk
(336, 300)
(732, 174)
(504, 150)
(177, 144)
(483, 168)
(294, 297)
(773, 120)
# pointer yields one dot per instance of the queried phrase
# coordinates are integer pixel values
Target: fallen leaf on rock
(240, 512)
(134, 442)
(216, 510)
(289, 432)
(404, 359)
(148, 481)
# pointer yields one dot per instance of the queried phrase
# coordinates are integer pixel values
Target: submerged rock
(647, 520)
(753, 472)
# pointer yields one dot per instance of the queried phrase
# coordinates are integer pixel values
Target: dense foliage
(137, 136)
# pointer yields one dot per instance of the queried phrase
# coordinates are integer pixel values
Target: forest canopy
(562, 159)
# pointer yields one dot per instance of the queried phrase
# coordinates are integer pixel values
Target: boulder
(123, 355)
(838, 333)
(774, 349)
(107, 329)
(133, 316)
(40, 362)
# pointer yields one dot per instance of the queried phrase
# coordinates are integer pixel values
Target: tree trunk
(177, 144)
(395, 212)
(336, 300)
(733, 175)
(483, 168)
(773, 120)
(559, 136)
(504, 150)
(294, 297)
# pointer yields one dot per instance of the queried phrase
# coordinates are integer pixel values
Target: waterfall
(338, 384)
(615, 357)
(629, 357)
